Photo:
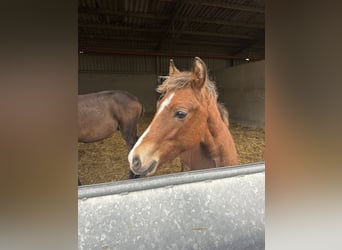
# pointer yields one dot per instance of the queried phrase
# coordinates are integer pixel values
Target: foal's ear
(199, 73)
(172, 69)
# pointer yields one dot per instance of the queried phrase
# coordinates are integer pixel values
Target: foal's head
(180, 121)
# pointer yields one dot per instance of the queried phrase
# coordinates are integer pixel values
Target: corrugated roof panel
(188, 10)
(92, 3)
(136, 6)
(257, 18)
(116, 63)
(104, 4)
(138, 64)
(135, 15)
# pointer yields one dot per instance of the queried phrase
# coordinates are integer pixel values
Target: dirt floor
(106, 160)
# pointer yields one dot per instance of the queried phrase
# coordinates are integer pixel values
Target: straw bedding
(106, 160)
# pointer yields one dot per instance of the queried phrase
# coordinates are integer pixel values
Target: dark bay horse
(188, 123)
(101, 114)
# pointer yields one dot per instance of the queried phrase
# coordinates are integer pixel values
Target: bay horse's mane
(183, 80)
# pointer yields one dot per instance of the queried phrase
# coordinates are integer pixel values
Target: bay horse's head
(180, 122)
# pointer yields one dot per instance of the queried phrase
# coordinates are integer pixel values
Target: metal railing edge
(126, 186)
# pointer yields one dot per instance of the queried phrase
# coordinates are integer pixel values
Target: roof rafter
(101, 38)
(249, 44)
(241, 7)
(152, 30)
(170, 25)
(230, 28)
(164, 17)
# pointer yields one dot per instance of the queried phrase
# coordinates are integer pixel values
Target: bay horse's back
(128, 110)
(101, 114)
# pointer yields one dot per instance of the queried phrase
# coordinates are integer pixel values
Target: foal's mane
(183, 80)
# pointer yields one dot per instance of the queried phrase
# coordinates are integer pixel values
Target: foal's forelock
(183, 80)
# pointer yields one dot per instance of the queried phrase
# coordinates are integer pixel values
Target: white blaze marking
(162, 107)
(165, 103)
(130, 155)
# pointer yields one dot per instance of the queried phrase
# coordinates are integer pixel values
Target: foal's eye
(180, 114)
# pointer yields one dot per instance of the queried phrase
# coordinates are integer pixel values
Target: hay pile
(250, 143)
(106, 160)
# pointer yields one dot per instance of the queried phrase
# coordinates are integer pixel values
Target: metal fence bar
(220, 208)
(118, 187)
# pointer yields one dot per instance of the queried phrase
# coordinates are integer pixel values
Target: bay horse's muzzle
(137, 167)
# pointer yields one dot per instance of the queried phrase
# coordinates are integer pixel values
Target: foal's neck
(217, 148)
(197, 158)
(218, 140)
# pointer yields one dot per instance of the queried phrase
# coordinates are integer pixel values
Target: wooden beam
(232, 6)
(241, 7)
(222, 22)
(115, 38)
(260, 36)
(170, 25)
(151, 44)
(154, 53)
(101, 38)
(92, 11)
(164, 17)
(118, 27)
(150, 30)
(179, 48)
(200, 33)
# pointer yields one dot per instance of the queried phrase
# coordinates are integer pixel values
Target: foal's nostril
(136, 163)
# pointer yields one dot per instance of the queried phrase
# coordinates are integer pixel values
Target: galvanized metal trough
(221, 208)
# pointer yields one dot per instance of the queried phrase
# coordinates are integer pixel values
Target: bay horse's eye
(180, 114)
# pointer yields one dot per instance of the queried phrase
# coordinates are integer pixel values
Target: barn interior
(128, 44)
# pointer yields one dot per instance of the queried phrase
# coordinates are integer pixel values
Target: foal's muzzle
(137, 167)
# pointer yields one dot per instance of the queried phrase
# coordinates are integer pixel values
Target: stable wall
(141, 85)
(242, 89)
(136, 74)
